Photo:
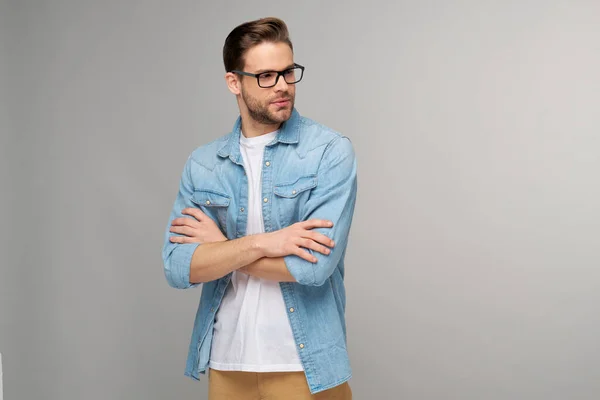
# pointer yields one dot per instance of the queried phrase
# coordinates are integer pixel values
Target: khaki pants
(237, 385)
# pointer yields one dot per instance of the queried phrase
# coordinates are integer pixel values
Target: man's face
(272, 105)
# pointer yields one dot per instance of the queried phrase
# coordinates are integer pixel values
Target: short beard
(260, 112)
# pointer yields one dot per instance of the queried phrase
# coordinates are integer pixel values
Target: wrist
(258, 244)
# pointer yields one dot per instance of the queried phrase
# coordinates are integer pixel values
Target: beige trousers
(237, 385)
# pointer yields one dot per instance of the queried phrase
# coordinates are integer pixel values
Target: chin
(282, 115)
(285, 116)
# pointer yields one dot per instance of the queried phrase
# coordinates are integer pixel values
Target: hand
(198, 229)
(294, 239)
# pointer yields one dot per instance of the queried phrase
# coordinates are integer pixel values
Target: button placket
(266, 186)
(241, 223)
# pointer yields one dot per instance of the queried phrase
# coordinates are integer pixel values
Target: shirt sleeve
(177, 257)
(332, 199)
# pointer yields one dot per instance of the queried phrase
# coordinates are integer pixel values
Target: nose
(281, 85)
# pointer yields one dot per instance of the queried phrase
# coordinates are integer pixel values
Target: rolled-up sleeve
(332, 199)
(177, 257)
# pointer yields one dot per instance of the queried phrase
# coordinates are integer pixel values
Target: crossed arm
(260, 255)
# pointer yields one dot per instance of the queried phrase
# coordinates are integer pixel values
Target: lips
(281, 102)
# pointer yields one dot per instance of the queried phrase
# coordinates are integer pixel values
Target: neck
(251, 128)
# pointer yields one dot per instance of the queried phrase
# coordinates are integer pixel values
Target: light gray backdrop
(473, 267)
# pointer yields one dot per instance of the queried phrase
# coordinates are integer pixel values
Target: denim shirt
(309, 171)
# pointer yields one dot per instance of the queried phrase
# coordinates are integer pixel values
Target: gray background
(473, 267)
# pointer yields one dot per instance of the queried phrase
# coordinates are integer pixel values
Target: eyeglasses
(269, 79)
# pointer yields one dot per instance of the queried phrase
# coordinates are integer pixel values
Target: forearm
(273, 269)
(212, 261)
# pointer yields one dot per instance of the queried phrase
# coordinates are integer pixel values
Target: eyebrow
(260, 71)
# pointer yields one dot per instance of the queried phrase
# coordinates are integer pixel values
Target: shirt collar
(289, 133)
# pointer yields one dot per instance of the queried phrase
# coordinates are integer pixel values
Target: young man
(262, 220)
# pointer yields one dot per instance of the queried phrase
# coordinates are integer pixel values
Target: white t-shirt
(252, 331)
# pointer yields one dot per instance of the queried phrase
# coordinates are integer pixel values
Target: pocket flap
(210, 198)
(295, 188)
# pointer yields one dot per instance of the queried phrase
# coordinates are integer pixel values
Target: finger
(316, 223)
(305, 255)
(181, 221)
(311, 244)
(182, 230)
(194, 212)
(186, 221)
(183, 239)
(319, 238)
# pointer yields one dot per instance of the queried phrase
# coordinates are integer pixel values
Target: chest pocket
(291, 196)
(214, 204)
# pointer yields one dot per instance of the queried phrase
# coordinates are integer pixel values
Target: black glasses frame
(279, 73)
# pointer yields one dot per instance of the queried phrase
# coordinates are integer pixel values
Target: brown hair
(250, 34)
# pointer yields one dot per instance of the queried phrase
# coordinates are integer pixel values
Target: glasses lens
(293, 75)
(267, 79)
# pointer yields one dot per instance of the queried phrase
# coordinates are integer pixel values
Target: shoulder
(317, 135)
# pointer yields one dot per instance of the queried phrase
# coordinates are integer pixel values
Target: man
(262, 220)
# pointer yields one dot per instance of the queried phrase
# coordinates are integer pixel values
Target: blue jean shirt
(309, 171)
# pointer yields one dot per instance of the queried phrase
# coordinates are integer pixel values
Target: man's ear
(233, 83)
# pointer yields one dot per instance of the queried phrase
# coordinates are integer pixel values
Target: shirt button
(301, 346)
(293, 192)
(212, 309)
(242, 209)
(207, 202)
(267, 163)
(266, 200)
(292, 309)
